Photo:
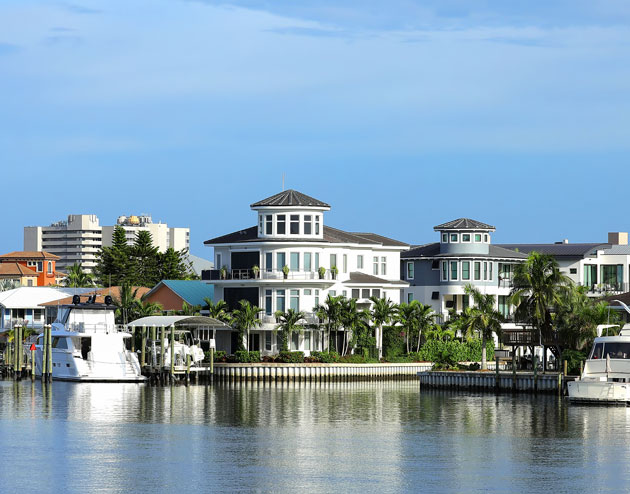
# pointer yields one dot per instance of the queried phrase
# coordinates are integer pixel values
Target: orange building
(30, 268)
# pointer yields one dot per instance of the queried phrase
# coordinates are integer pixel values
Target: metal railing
(612, 288)
(309, 318)
(249, 274)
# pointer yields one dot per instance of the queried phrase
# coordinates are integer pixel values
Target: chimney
(618, 238)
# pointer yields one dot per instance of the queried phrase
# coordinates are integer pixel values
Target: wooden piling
(143, 350)
(49, 355)
(172, 352)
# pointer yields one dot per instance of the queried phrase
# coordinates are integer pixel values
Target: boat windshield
(611, 349)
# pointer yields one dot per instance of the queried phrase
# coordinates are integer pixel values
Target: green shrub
(243, 356)
(573, 358)
(291, 357)
(325, 357)
(219, 356)
(357, 359)
(450, 351)
(393, 343)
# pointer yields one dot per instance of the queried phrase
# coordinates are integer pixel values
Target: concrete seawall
(272, 372)
(525, 382)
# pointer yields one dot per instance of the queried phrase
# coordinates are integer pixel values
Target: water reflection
(347, 437)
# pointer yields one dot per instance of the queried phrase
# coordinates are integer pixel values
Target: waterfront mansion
(290, 259)
(438, 272)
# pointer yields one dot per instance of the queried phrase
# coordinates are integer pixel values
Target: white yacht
(606, 376)
(87, 345)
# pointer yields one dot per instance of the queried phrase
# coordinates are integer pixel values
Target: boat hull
(599, 391)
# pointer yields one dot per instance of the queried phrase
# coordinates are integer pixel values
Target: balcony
(310, 318)
(607, 288)
(505, 282)
(248, 274)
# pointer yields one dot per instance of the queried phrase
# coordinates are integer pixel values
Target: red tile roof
(15, 269)
(28, 256)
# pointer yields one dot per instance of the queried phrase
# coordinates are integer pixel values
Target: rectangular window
(376, 293)
(612, 275)
(454, 237)
(295, 261)
(359, 262)
(333, 260)
(453, 270)
(280, 300)
(333, 293)
(281, 224)
(409, 297)
(490, 275)
(444, 271)
(295, 300)
(477, 237)
(307, 341)
(477, 270)
(590, 275)
(317, 225)
(365, 293)
(268, 341)
(268, 262)
(269, 224)
(486, 238)
(445, 238)
(383, 266)
(268, 302)
(295, 342)
(344, 293)
(345, 263)
(40, 266)
(295, 224)
(307, 262)
(466, 237)
(308, 224)
(281, 260)
(465, 302)
(218, 264)
(307, 291)
(316, 298)
(410, 270)
(375, 265)
(260, 224)
(465, 270)
(316, 261)
(504, 306)
(485, 271)
(355, 293)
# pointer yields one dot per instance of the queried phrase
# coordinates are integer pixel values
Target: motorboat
(606, 375)
(87, 345)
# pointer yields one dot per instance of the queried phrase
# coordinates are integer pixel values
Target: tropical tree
(244, 319)
(113, 264)
(289, 324)
(425, 316)
(126, 303)
(577, 317)
(330, 311)
(189, 310)
(218, 310)
(146, 308)
(9, 285)
(538, 289)
(356, 326)
(482, 319)
(78, 278)
(383, 312)
(143, 257)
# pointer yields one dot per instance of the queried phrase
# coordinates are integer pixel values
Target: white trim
(469, 238)
(413, 270)
(450, 238)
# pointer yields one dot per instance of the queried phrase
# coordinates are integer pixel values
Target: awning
(179, 321)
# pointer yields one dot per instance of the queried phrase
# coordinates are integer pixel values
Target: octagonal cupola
(290, 215)
(464, 236)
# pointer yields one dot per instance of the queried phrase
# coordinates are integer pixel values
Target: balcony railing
(249, 274)
(505, 282)
(309, 318)
(603, 288)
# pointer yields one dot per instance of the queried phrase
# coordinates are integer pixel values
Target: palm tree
(406, 317)
(289, 323)
(356, 326)
(538, 289)
(425, 316)
(245, 318)
(189, 310)
(144, 309)
(383, 311)
(482, 318)
(77, 278)
(330, 311)
(218, 310)
(126, 303)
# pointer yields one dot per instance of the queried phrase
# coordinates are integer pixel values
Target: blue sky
(401, 114)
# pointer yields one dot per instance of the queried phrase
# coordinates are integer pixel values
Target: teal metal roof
(192, 291)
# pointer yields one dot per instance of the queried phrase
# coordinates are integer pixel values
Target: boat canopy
(179, 321)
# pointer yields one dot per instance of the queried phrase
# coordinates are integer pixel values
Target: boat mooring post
(143, 351)
(497, 383)
(535, 362)
(49, 355)
(32, 363)
(19, 353)
(172, 353)
(187, 368)
(162, 341)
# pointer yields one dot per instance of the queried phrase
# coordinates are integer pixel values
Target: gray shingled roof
(557, 250)
(331, 235)
(464, 224)
(290, 198)
(357, 278)
(433, 251)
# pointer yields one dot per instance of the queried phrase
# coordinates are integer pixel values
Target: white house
(290, 233)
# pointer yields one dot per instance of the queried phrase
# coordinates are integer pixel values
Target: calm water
(382, 437)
